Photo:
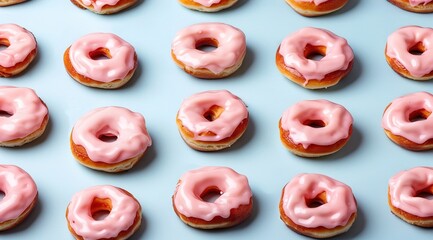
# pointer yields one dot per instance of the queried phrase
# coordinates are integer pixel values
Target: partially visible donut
(418, 6)
(312, 8)
(104, 6)
(207, 5)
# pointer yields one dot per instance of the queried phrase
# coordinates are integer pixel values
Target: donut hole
(314, 123)
(107, 137)
(211, 194)
(100, 54)
(315, 53)
(2, 195)
(206, 44)
(419, 115)
(5, 114)
(4, 43)
(213, 113)
(100, 208)
(417, 49)
(317, 201)
(426, 193)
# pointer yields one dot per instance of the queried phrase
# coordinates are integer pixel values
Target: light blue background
(159, 86)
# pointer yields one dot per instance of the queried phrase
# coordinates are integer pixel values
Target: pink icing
(337, 119)
(21, 44)
(419, 2)
(399, 43)
(338, 56)
(20, 190)
(339, 207)
(193, 108)
(316, 2)
(99, 4)
(26, 109)
(404, 187)
(207, 3)
(231, 46)
(129, 128)
(121, 217)
(234, 187)
(396, 117)
(122, 59)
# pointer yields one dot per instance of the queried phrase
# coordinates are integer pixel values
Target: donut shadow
(357, 227)
(148, 157)
(139, 234)
(354, 74)
(27, 222)
(348, 7)
(237, 5)
(246, 64)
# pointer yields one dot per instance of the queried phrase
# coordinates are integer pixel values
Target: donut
(407, 121)
(207, 5)
(24, 116)
(294, 53)
(104, 6)
(317, 206)
(4, 3)
(418, 6)
(21, 49)
(110, 139)
(225, 59)
(405, 196)
(313, 8)
(233, 206)
(409, 52)
(21, 195)
(101, 60)
(212, 120)
(123, 219)
(315, 128)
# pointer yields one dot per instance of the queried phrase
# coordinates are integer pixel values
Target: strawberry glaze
(21, 44)
(99, 4)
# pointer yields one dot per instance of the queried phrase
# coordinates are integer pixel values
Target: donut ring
(406, 121)
(313, 8)
(318, 206)
(16, 184)
(418, 6)
(104, 6)
(26, 116)
(233, 206)
(123, 219)
(21, 49)
(292, 58)
(5, 3)
(225, 59)
(207, 5)
(110, 139)
(115, 69)
(405, 199)
(315, 128)
(409, 52)
(212, 120)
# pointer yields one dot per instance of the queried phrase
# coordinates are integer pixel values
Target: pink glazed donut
(314, 128)
(312, 8)
(233, 206)
(408, 123)
(4, 3)
(20, 195)
(101, 60)
(293, 58)
(104, 6)
(123, 219)
(110, 139)
(318, 206)
(418, 6)
(221, 62)
(207, 5)
(409, 52)
(20, 52)
(212, 120)
(25, 116)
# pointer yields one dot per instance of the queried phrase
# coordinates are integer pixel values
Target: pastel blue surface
(159, 86)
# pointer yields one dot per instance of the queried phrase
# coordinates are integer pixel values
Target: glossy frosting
(339, 207)
(121, 217)
(338, 53)
(231, 46)
(396, 117)
(21, 44)
(26, 109)
(207, 3)
(403, 189)
(193, 108)
(234, 187)
(99, 4)
(336, 118)
(399, 43)
(316, 2)
(129, 128)
(19, 189)
(122, 59)
(419, 2)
